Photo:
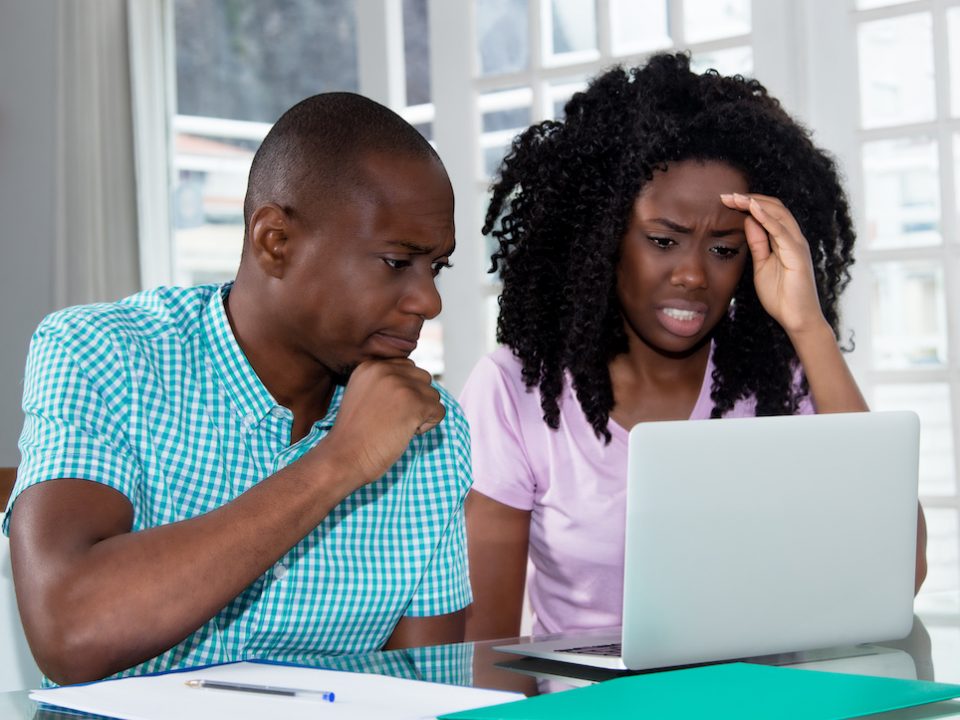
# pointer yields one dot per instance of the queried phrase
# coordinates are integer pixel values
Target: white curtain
(96, 248)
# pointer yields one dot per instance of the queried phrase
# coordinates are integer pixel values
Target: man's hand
(385, 404)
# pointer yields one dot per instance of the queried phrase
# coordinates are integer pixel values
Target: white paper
(358, 695)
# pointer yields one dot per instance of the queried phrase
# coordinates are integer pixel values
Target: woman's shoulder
(500, 368)
(496, 391)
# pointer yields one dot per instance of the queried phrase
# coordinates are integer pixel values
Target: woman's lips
(682, 321)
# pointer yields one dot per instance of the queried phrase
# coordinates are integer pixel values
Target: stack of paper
(358, 695)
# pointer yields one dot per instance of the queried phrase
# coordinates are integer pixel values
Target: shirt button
(279, 570)
(248, 422)
(277, 412)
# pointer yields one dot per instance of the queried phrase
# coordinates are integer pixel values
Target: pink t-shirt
(573, 484)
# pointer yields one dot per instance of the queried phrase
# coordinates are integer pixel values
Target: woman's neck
(649, 385)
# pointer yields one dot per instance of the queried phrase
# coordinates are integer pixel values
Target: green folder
(733, 690)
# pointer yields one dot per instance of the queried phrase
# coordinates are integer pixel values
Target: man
(256, 470)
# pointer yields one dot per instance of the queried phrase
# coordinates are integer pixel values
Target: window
(533, 55)
(908, 68)
(878, 81)
(239, 66)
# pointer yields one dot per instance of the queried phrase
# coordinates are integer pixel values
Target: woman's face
(682, 256)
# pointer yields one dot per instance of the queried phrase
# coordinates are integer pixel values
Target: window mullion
(457, 136)
(380, 58)
(152, 81)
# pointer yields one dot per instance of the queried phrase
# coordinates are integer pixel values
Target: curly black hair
(561, 204)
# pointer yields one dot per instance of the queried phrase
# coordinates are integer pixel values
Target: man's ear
(268, 239)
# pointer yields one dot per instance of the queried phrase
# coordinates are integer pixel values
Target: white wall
(28, 57)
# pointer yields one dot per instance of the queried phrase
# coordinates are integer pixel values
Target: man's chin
(342, 375)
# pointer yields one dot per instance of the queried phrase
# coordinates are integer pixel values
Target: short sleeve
(73, 404)
(491, 400)
(445, 585)
(805, 406)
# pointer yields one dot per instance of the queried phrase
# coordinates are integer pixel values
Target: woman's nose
(689, 271)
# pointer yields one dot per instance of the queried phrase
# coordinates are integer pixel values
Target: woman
(675, 248)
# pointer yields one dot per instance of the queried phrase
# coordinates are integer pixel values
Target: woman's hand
(782, 266)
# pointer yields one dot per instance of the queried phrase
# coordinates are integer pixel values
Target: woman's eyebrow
(677, 227)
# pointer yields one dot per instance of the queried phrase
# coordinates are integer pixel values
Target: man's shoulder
(454, 417)
(138, 319)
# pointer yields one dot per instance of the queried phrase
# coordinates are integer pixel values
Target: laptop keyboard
(609, 650)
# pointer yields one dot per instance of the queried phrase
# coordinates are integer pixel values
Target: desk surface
(930, 652)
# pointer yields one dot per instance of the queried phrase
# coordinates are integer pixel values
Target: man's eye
(438, 266)
(396, 264)
(661, 242)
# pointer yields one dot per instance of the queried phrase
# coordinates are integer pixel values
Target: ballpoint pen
(325, 695)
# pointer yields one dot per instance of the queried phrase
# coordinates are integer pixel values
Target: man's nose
(423, 298)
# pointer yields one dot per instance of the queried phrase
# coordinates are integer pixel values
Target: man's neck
(296, 381)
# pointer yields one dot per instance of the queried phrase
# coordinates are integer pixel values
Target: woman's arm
(497, 537)
(784, 280)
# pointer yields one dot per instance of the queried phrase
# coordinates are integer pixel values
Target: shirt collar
(223, 352)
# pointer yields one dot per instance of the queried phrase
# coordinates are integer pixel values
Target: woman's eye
(661, 242)
(725, 253)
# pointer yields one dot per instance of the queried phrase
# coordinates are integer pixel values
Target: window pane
(416, 51)
(211, 161)
(931, 401)
(638, 26)
(953, 25)
(492, 305)
(571, 31)
(713, 19)
(503, 114)
(732, 61)
(866, 4)
(559, 93)
(502, 31)
(902, 187)
(896, 71)
(956, 170)
(239, 67)
(942, 565)
(251, 61)
(429, 351)
(909, 315)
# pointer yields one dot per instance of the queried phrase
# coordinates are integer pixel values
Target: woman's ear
(268, 239)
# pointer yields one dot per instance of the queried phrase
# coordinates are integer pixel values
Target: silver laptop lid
(763, 535)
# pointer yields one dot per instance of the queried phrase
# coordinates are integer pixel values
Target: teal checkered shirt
(153, 397)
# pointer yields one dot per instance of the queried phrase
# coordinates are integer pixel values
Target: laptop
(756, 536)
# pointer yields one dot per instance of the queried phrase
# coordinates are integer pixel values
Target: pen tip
(193, 683)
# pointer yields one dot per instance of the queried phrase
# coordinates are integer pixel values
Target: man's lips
(403, 343)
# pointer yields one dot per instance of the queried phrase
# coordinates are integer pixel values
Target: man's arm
(97, 599)
(422, 631)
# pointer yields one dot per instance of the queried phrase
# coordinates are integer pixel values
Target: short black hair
(316, 145)
(563, 198)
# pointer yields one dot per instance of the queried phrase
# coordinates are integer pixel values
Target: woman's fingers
(772, 215)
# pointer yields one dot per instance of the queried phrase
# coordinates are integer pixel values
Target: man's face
(361, 274)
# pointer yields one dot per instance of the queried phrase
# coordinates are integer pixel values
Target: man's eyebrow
(677, 227)
(419, 249)
(409, 245)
